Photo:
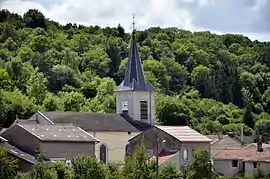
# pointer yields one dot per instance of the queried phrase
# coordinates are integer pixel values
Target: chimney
(17, 119)
(37, 121)
(242, 135)
(220, 135)
(259, 145)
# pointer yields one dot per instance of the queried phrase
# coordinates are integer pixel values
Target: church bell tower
(135, 96)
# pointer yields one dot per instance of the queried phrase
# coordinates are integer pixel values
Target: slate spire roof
(134, 75)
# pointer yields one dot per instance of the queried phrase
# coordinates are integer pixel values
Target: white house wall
(249, 169)
(225, 167)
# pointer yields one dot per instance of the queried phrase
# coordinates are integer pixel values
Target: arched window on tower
(103, 150)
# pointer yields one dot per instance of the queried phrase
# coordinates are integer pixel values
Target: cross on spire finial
(133, 23)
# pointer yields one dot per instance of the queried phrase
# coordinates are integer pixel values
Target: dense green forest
(210, 82)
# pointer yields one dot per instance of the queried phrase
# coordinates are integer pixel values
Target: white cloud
(21, 7)
(222, 16)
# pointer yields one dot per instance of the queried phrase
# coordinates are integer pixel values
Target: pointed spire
(134, 75)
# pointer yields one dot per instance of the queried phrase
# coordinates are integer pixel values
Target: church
(135, 112)
(110, 137)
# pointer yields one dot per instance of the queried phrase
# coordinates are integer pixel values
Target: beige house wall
(116, 143)
(67, 150)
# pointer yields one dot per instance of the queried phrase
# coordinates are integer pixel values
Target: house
(220, 142)
(160, 139)
(230, 162)
(25, 160)
(56, 142)
(113, 130)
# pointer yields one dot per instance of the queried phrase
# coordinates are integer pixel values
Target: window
(185, 155)
(103, 153)
(255, 165)
(144, 110)
(234, 163)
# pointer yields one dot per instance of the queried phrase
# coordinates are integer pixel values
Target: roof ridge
(80, 112)
(88, 134)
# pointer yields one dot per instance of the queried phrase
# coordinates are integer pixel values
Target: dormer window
(144, 110)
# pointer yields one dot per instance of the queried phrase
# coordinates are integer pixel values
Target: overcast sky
(248, 17)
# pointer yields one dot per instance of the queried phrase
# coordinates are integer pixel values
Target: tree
(178, 73)
(88, 167)
(52, 102)
(170, 111)
(63, 172)
(19, 72)
(115, 170)
(36, 86)
(169, 171)
(42, 170)
(10, 45)
(159, 71)
(14, 103)
(262, 126)
(104, 101)
(72, 101)
(96, 60)
(258, 174)
(249, 116)
(60, 76)
(5, 80)
(40, 44)
(266, 99)
(137, 165)
(33, 19)
(8, 165)
(203, 80)
(121, 31)
(200, 166)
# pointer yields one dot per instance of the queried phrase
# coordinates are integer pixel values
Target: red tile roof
(164, 156)
(244, 154)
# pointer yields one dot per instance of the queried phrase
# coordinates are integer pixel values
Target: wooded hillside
(208, 81)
